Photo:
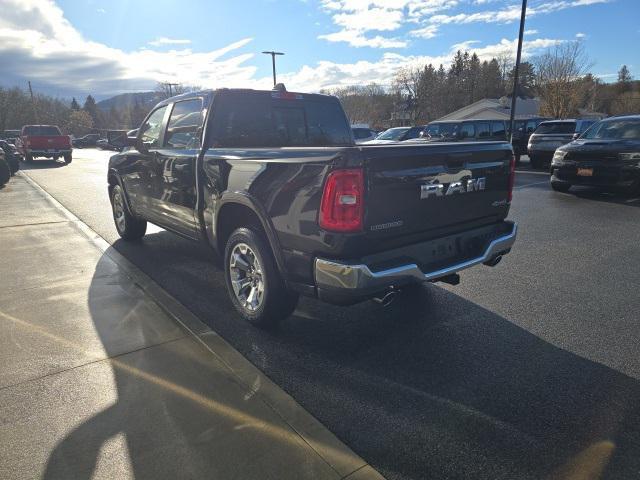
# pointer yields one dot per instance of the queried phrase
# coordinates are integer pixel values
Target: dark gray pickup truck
(273, 181)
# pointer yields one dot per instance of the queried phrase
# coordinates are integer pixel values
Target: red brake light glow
(342, 205)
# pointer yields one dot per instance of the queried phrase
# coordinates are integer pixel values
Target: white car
(396, 134)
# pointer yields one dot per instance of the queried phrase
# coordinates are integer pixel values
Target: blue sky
(104, 47)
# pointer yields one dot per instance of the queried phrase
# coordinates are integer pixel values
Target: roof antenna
(279, 87)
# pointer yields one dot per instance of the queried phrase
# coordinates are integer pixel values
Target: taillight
(342, 205)
(512, 177)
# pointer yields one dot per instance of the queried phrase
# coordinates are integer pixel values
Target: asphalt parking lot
(526, 370)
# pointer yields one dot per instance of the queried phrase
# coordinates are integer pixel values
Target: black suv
(606, 155)
(523, 129)
(551, 135)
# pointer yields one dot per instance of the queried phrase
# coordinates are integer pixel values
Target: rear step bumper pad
(358, 278)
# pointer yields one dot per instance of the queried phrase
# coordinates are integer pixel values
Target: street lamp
(517, 68)
(273, 62)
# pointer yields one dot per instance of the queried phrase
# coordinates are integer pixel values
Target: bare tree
(167, 89)
(407, 86)
(558, 72)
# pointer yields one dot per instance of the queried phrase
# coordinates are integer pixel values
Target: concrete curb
(336, 454)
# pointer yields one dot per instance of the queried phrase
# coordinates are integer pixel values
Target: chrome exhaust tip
(386, 298)
(494, 261)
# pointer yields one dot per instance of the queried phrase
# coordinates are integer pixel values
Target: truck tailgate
(428, 187)
(48, 142)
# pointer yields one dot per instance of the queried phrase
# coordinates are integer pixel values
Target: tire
(67, 158)
(517, 157)
(14, 164)
(5, 172)
(28, 158)
(560, 186)
(129, 227)
(255, 286)
(536, 162)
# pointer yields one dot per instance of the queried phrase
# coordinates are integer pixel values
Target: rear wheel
(28, 158)
(559, 186)
(67, 158)
(536, 162)
(128, 226)
(255, 286)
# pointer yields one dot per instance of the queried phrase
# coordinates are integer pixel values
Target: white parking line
(532, 173)
(529, 185)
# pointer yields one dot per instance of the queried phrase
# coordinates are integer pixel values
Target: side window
(531, 126)
(467, 130)
(483, 130)
(498, 130)
(152, 128)
(412, 133)
(185, 125)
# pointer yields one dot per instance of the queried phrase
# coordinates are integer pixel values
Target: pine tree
(92, 109)
(74, 104)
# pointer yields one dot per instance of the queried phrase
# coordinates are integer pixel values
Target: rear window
(42, 130)
(257, 120)
(556, 128)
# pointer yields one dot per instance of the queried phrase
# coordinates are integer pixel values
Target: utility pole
(33, 103)
(273, 62)
(517, 69)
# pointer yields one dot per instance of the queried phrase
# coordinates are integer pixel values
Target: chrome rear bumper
(358, 278)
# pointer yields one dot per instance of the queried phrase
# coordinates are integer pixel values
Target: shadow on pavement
(605, 196)
(431, 387)
(179, 412)
(41, 164)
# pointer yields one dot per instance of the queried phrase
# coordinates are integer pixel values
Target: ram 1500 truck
(273, 181)
(45, 141)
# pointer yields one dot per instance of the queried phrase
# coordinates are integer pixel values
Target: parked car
(12, 155)
(277, 186)
(44, 141)
(521, 133)
(7, 134)
(362, 135)
(606, 155)
(550, 135)
(466, 131)
(5, 170)
(88, 140)
(396, 134)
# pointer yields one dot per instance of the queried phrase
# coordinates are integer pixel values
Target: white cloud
(357, 17)
(39, 43)
(581, 35)
(427, 32)
(510, 13)
(160, 41)
(101, 10)
(357, 39)
(530, 32)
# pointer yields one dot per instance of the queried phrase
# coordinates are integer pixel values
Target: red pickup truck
(44, 141)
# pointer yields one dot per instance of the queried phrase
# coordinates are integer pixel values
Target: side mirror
(575, 136)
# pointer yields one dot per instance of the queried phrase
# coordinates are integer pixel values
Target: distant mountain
(145, 99)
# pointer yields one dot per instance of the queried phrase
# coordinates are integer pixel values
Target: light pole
(273, 62)
(517, 69)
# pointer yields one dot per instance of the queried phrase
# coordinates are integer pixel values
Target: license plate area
(585, 172)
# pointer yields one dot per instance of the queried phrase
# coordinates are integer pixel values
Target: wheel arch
(237, 211)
